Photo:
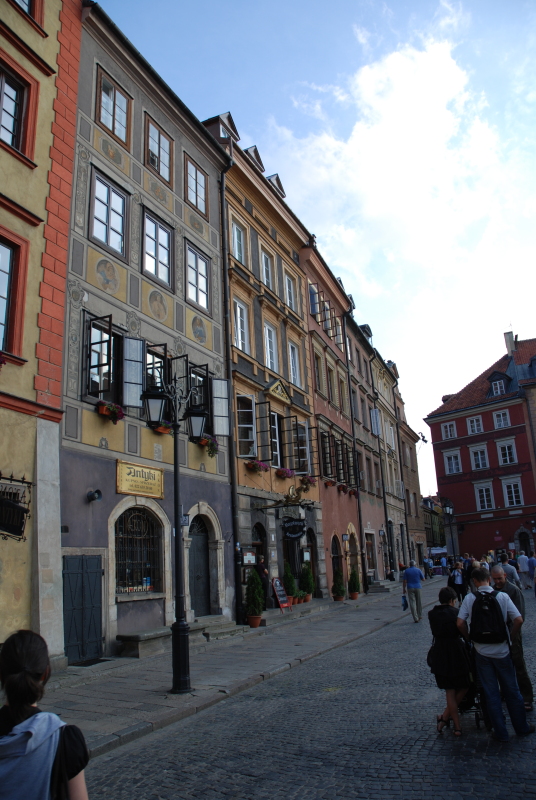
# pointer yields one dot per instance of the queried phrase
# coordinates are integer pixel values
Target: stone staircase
(381, 587)
(214, 627)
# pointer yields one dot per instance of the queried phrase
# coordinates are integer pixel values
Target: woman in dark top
(448, 658)
(53, 764)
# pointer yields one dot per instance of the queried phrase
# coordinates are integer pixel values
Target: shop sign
(280, 594)
(140, 480)
(293, 528)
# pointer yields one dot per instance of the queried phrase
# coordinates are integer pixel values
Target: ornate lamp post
(448, 509)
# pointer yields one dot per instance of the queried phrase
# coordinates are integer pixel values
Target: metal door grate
(138, 552)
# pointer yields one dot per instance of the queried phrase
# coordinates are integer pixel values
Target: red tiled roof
(475, 392)
(525, 350)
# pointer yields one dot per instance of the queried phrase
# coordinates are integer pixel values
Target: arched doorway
(336, 554)
(199, 568)
(258, 540)
(524, 542)
(354, 554)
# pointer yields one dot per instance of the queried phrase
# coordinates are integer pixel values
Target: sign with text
(139, 480)
(280, 594)
(293, 528)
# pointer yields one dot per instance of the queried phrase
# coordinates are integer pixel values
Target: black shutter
(264, 439)
(289, 435)
(314, 459)
(133, 371)
(99, 333)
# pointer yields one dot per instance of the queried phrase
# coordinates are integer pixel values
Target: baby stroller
(474, 701)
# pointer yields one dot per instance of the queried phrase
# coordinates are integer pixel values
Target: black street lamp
(448, 509)
(155, 401)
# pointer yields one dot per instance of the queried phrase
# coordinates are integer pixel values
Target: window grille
(138, 552)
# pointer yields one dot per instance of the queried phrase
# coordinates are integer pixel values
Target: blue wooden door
(82, 607)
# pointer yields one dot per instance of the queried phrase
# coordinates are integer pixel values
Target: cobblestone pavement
(357, 722)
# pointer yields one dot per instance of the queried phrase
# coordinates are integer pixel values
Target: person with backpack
(487, 613)
(41, 758)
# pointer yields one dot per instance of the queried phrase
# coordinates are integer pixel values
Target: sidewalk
(123, 699)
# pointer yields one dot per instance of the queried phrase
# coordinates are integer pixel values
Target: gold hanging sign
(140, 480)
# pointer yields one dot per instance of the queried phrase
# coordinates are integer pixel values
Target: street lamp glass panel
(154, 407)
(197, 425)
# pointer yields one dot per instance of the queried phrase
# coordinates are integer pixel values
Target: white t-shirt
(523, 563)
(510, 612)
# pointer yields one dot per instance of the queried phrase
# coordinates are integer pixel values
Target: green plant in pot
(307, 583)
(338, 590)
(288, 582)
(254, 599)
(354, 586)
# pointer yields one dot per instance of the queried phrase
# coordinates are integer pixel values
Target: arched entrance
(199, 567)
(336, 554)
(524, 542)
(354, 553)
(258, 540)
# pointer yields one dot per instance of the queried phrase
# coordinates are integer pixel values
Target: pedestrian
(501, 584)
(412, 587)
(40, 756)
(523, 564)
(484, 562)
(448, 658)
(443, 563)
(487, 612)
(510, 571)
(457, 581)
(512, 561)
(262, 572)
(532, 568)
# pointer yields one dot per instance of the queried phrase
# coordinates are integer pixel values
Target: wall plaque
(139, 480)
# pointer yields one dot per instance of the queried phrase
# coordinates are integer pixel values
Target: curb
(109, 742)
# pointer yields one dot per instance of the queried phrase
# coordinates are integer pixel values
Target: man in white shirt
(494, 663)
(523, 564)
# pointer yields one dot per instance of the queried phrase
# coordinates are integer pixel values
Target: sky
(404, 134)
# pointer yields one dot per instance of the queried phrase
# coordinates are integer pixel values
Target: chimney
(510, 342)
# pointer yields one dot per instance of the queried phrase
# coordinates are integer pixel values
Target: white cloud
(362, 35)
(427, 214)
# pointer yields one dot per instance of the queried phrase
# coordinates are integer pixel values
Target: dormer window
(223, 133)
(497, 388)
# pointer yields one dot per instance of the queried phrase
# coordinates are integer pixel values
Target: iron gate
(82, 607)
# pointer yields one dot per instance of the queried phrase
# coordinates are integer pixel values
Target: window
(238, 243)
(241, 338)
(113, 108)
(377, 481)
(355, 405)
(159, 151)
(245, 412)
(449, 430)
(507, 453)
(14, 252)
(290, 292)
(301, 449)
(331, 386)
(154, 369)
(157, 255)
(7, 258)
(474, 425)
(408, 504)
(267, 270)
(415, 504)
(452, 463)
(196, 187)
(275, 439)
(364, 415)
(197, 278)
(497, 387)
(270, 347)
(318, 372)
(349, 349)
(138, 552)
(327, 460)
(109, 214)
(370, 484)
(502, 419)
(338, 332)
(512, 493)
(366, 370)
(326, 318)
(294, 364)
(103, 352)
(480, 459)
(314, 302)
(11, 104)
(25, 4)
(358, 361)
(342, 394)
(484, 496)
(375, 421)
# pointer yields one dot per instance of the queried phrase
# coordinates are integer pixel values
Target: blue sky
(404, 135)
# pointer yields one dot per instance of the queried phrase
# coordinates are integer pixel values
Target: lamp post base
(180, 651)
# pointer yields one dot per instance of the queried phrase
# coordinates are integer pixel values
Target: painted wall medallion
(158, 305)
(199, 330)
(107, 276)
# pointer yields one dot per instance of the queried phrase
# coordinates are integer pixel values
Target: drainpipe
(358, 497)
(388, 532)
(405, 544)
(237, 551)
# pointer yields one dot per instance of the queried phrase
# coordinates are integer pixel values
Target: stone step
(273, 616)
(380, 587)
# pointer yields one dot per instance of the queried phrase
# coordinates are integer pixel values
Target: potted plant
(307, 482)
(353, 585)
(165, 427)
(112, 410)
(338, 589)
(353, 492)
(343, 488)
(301, 596)
(329, 483)
(306, 582)
(254, 599)
(212, 445)
(283, 472)
(289, 583)
(256, 466)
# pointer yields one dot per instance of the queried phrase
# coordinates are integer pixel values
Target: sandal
(444, 722)
(457, 732)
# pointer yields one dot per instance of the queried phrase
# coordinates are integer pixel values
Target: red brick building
(483, 439)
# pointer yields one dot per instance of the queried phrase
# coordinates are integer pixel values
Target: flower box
(342, 488)
(111, 410)
(282, 472)
(256, 466)
(328, 483)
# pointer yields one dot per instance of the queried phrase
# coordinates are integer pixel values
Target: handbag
(405, 605)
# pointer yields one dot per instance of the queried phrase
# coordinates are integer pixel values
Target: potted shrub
(283, 472)
(301, 596)
(306, 582)
(212, 445)
(256, 466)
(254, 599)
(165, 427)
(307, 482)
(343, 488)
(338, 589)
(111, 410)
(289, 583)
(353, 585)
(329, 483)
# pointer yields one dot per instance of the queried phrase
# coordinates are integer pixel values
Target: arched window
(336, 560)
(138, 552)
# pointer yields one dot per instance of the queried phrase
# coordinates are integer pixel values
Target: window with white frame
(314, 302)
(342, 394)
(480, 458)
(319, 372)
(109, 214)
(502, 419)
(497, 387)
(474, 425)
(512, 492)
(275, 439)
(349, 349)
(241, 338)
(507, 453)
(290, 291)
(239, 243)
(270, 347)
(452, 462)
(157, 250)
(267, 270)
(196, 186)
(326, 317)
(197, 278)
(294, 364)
(484, 496)
(245, 412)
(449, 430)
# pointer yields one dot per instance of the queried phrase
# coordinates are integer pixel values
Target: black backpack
(487, 621)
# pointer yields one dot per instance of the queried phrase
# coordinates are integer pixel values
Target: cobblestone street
(356, 722)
